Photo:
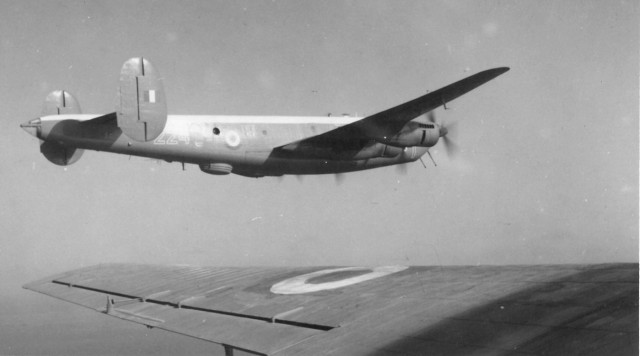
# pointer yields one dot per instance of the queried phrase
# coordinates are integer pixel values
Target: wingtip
(30, 285)
(494, 72)
(37, 284)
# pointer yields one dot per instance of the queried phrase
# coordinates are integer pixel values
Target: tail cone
(32, 127)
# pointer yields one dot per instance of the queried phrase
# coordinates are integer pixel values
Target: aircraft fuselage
(242, 144)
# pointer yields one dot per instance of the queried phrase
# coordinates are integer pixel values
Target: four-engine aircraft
(252, 146)
(391, 310)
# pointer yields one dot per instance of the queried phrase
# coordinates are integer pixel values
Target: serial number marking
(171, 139)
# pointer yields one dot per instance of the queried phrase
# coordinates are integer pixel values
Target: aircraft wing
(392, 310)
(389, 122)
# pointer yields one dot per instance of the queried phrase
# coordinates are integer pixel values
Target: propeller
(446, 132)
(449, 145)
(402, 168)
(431, 116)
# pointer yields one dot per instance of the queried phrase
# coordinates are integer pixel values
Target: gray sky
(548, 171)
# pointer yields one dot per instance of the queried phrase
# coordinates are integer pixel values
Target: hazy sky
(547, 173)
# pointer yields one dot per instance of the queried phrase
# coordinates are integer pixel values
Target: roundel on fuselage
(232, 138)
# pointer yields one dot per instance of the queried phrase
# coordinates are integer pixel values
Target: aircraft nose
(32, 127)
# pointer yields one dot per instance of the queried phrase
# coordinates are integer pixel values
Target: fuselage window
(264, 132)
(216, 131)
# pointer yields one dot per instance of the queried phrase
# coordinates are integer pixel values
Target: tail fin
(142, 107)
(59, 154)
(60, 102)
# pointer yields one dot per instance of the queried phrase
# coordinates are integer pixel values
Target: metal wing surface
(389, 122)
(371, 311)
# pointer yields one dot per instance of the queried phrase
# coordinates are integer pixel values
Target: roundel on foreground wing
(332, 279)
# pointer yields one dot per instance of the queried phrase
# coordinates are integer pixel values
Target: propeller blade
(452, 130)
(451, 147)
(402, 168)
(431, 116)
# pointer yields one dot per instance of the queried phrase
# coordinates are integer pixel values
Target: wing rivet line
(109, 305)
(283, 314)
(155, 295)
(201, 296)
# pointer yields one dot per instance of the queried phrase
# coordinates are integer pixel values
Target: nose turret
(32, 127)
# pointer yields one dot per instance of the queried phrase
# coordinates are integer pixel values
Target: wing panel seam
(214, 311)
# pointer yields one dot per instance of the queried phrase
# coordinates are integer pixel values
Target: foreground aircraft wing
(372, 311)
(389, 122)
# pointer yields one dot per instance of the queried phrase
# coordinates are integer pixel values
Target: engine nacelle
(415, 134)
(391, 151)
(373, 150)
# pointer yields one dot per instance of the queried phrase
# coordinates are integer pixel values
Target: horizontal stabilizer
(108, 119)
(142, 107)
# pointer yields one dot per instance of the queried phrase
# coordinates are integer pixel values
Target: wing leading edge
(389, 122)
(416, 310)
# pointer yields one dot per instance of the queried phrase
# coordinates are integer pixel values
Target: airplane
(251, 146)
(359, 311)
